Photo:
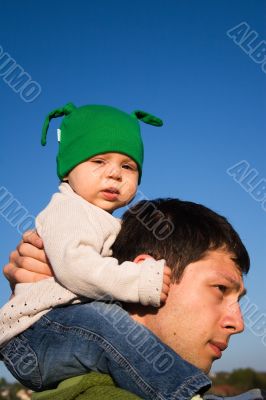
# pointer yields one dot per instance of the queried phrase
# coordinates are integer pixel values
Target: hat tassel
(147, 118)
(59, 112)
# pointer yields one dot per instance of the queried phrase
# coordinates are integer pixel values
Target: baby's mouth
(111, 194)
(112, 190)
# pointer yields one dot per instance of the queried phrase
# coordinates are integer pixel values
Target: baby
(100, 165)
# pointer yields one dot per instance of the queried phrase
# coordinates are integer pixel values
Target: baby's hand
(166, 284)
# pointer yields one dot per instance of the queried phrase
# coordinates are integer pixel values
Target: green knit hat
(93, 129)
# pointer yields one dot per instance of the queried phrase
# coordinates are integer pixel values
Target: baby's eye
(128, 166)
(97, 161)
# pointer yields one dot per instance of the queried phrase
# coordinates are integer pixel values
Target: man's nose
(233, 320)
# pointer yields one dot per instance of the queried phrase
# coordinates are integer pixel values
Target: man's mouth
(217, 348)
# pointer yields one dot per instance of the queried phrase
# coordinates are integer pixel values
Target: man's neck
(142, 314)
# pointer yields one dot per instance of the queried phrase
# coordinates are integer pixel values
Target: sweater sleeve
(73, 240)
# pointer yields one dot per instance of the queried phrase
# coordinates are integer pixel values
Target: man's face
(202, 310)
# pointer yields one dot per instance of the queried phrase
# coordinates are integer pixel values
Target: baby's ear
(65, 179)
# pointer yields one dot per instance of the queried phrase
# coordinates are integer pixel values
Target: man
(208, 261)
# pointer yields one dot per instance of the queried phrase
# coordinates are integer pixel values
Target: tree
(245, 378)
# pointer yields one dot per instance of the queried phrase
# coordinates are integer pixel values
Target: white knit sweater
(77, 238)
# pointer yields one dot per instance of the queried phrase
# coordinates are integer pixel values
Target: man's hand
(28, 263)
(166, 284)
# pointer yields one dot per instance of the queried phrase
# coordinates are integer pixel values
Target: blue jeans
(72, 340)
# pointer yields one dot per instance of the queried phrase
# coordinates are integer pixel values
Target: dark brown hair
(178, 231)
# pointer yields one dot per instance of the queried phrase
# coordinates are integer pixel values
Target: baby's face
(108, 181)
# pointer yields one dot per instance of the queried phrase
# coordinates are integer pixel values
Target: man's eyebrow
(234, 282)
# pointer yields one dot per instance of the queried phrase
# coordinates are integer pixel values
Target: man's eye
(221, 288)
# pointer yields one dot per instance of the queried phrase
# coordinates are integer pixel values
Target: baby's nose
(113, 171)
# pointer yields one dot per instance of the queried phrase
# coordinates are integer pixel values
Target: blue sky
(174, 59)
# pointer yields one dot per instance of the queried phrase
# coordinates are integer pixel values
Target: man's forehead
(221, 256)
(221, 264)
(230, 278)
(217, 261)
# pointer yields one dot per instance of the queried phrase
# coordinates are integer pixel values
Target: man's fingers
(29, 250)
(33, 238)
(34, 260)
(13, 256)
(15, 274)
(7, 270)
(33, 265)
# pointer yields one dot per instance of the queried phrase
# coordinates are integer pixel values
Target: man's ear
(141, 257)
